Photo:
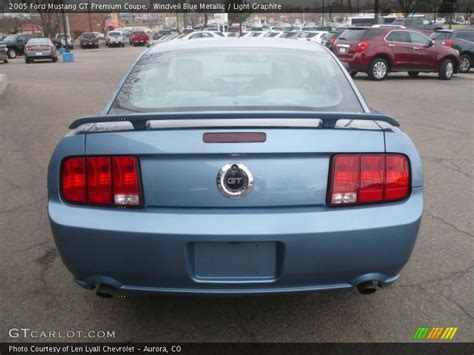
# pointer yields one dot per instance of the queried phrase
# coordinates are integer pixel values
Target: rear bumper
(317, 248)
(356, 62)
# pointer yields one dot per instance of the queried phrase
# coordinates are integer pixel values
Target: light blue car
(235, 166)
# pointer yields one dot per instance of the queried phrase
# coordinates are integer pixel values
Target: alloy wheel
(379, 70)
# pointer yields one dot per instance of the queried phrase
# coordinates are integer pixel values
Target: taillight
(29, 48)
(368, 178)
(101, 180)
(362, 46)
(332, 42)
(448, 43)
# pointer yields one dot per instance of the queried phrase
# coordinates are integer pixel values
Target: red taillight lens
(372, 170)
(101, 180)
(345, 179)
(73, 180)
(126, 181)
(368, 178)
(333, 42)
(397, 177)
(29, 48)
(362, 46)
(448, 43)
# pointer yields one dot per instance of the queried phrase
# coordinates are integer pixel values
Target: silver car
(3, 53)
(40, 48)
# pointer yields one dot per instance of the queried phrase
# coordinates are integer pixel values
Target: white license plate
(342, 50)
(39, 53)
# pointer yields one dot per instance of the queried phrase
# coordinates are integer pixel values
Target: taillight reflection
(368, 178)
(101, 180)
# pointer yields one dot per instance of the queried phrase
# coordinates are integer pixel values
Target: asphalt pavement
(436, 288)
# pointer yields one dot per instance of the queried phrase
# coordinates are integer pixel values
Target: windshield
(10, 38)
(88, 35)
(237, 79)
(114, 34)
(438, 36)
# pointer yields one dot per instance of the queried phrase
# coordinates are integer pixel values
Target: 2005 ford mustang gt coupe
(235, 166)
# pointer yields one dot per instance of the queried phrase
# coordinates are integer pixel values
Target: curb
(3, 82)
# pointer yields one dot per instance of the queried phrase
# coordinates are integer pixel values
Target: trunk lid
(290, 168)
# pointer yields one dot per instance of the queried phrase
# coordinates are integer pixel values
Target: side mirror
(432, 42)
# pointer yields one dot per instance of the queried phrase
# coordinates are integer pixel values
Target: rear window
(439, 36)
(237, 79)
(466, 35)
(40, 41)
(88, 35)
(353, 35)
(139, 33)
(114, 34)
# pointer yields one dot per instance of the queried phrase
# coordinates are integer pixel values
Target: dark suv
(380, 50)
(89, 40)
(16, 44)
(460, 39)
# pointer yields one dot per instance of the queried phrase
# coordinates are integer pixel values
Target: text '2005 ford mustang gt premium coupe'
(235, 166)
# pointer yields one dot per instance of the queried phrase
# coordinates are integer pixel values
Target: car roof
(237, 42)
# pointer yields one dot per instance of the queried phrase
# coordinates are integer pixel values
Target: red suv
(139, 38)
(380, 50)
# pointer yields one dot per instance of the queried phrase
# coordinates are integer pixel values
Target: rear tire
(446, 69)
(378, 69)
(353, 73)
(55, 59)
(413, 74)
(465, 65)
(27, 61)
(12, 54)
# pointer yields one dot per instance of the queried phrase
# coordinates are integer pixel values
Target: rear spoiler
(278, 118)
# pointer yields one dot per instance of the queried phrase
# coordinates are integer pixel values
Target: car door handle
(391, 45)
(416, 47)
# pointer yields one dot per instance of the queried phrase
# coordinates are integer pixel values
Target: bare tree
(411, 6)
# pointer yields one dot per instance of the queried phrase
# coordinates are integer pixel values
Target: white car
(202, 34)
(99, 35)
(312, 36)
(115, 39)
(254, 34)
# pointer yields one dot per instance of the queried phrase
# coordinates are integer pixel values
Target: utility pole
(66, 46)
(376, 11)
(89, 15)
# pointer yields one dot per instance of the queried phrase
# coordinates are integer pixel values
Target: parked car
(40, 48)
(88, 40)
(138, 38)
(461, 40)
(283, 182)
(329, 39)
(378, 51)
(99, 35)
(3, 53)
(203, 34)
(418, 23)
(115, 39)
(313, 36)
(60, 40)
(161, 33)
(16, 44)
